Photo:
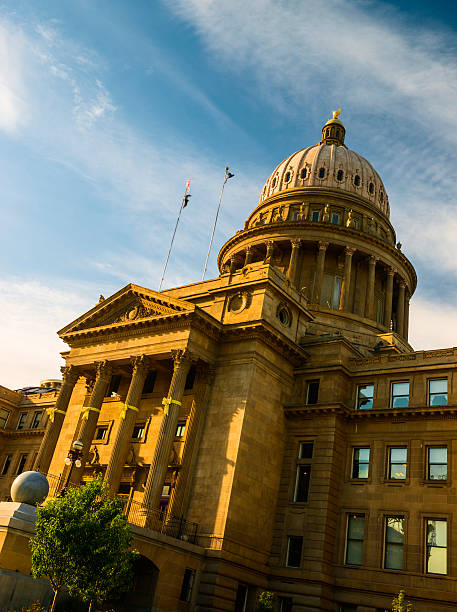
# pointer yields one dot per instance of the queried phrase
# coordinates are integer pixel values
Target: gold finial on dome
(333, 131)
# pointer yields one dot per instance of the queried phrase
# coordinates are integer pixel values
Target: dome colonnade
(323, 220)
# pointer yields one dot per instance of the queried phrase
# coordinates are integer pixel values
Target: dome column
(406, 322)
(389, 294)
(401, 308)
(319, 271)
(56, 418)
(269, 252)
(370, 287)
(346, 286)
(293, 262)
(248, 256)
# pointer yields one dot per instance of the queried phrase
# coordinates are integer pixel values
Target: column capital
(140, 362)
(390, 271)
(70, 374)
(402, 284)
(249, 248)
(182, 357)
(322, 245)
(269, 243)
(103, 370)
(350, 251)
(296, 243)
(372, 260)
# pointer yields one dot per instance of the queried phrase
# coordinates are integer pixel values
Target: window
(7, 464)
(354, 539)
(365, 397)
(180, 429)
(312, 391)
(331, 291)
(294, 548)
(149, 383)
(187, 585)
(400, 394)
(302, 483)
(36, 419)
(335, 219)
(306, 450)
(394, 537)
(379, 305)
(138, 432)
(437, 392)
(241, 598)
(124, 488)
(321, 173)
(285, 604)
(166, 489)
(436, 546)
(371, 188)
(287, 177)
(356, 223)
(4, 414)
(356, 180)
(101, 433)
(303, 173)
(21, 464)
(22, 419)
(437, 463)
(397, 463)
(360, 462)
(113, 385)
(315, 215)
(339, 175)
(190, 378)
(273, 184)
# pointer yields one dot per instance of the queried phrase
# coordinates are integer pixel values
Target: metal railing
(159, 520)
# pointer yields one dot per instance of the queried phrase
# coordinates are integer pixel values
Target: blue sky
(108, 107)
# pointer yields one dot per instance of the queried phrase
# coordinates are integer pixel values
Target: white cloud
(13, 91)
(433, 324)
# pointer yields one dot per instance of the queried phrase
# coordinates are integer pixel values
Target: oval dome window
(321, 173)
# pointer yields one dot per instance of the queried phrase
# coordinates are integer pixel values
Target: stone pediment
(130, 304)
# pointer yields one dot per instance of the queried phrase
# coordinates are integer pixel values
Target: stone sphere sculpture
(29, 488)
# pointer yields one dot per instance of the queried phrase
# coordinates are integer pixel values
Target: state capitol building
(270, 429)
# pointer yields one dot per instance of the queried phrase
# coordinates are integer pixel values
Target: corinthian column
(401, 308)
(389, 293)
(164, 444)
(248, 257)
(406, 321)
(346, 287)
(319, 271)
(89, 415)
(56, 418)
(370, 287)
(293, 262)
(127, 421)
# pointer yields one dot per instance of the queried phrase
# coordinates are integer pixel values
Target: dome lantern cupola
(333, 131)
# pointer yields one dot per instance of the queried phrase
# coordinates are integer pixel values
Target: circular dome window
(321, 173)
(284, 316)
(371, 188)
(287, 177)
(356, 180)
(303, 173)
(339, 175)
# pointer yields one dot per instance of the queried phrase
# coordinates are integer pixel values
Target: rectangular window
(113, 385)
(22, 420)
(306, 450)
(21, 464)
(312, 391)
(37, 419)
(360, 462)
(166, 490)
(365, 395)
(180, 429)
(436, 546)
(138, 432)
(241, 598)
(4, 414)
(397, 463)
(335, 219)
(393, 542)
(437, 463)
(149, 383)
(315, 215)
(101, 433)
(190, 379)
(400, 395)
(331, 291)
(302, 483)
(294, 548)
(354, 539)
(7, 464)
(437, 392)
(285, 604)
(124, 488)
(187, 585)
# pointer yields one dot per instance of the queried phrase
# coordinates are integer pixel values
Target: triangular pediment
(129, 305)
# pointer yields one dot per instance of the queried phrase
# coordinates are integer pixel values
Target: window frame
(21, 457)
(301, 463)
(389, 463)
(353, 460)
(309, 383)
(35, 424)
(316, 211)
(287, 561)
(386, 543)
(428, 463)
(187, 585)
(140, 426)
(393, 397)
(6, 464)
(4, 418)
(358, 398)
(430, 394)
(349, 516)
(22, 421)
(445, 520)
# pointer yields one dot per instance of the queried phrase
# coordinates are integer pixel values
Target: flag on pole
(187, 194)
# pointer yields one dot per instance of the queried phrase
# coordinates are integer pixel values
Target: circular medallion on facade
(238, 302)
(131, 315)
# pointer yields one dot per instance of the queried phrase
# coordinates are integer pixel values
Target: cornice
(412, 412)
(22, 433)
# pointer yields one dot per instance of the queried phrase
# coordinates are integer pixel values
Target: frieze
(438, 353)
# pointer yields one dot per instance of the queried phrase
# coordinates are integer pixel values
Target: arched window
(287, 177)
(356, 180)
(339, 175)
(321, 173)
(273, 183)
(303, 173)
(371, 188)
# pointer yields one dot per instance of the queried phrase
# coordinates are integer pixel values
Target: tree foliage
(82, 541)
(265, 601)
(400, 604)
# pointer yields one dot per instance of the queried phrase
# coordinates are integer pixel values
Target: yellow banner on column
(167, 401)
(86, 409)
(126, 407)
(52, 413)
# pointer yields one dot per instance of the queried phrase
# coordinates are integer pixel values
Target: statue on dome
(336, 114)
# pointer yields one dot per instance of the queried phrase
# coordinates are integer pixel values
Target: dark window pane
(6, 465)
(312, 394)
(306, 450)
(20, 467)
(285, 604)
(149, 383)
(113, 385)
(187, 584)
(190, 378)
(294, 551)
(241, 597)
(302, 483)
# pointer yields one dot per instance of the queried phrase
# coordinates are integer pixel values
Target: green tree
(265, 601)
(82, 541)
(400, 604)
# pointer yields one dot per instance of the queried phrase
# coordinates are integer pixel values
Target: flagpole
(183, 205)
(227, 176)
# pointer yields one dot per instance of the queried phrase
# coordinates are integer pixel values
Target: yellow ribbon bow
(126, 407)
(86, 409)
(52, 413)
(167, 401)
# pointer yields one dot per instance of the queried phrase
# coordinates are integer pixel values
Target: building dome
(330, 165)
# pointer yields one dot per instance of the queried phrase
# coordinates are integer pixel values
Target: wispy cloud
(443, 331)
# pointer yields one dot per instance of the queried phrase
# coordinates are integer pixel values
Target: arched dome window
(356, 180)
(303, 173)
(339, 175)
(371, 188)
(321, 173)
(381, 197)
(273, 183)
(287, 177)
